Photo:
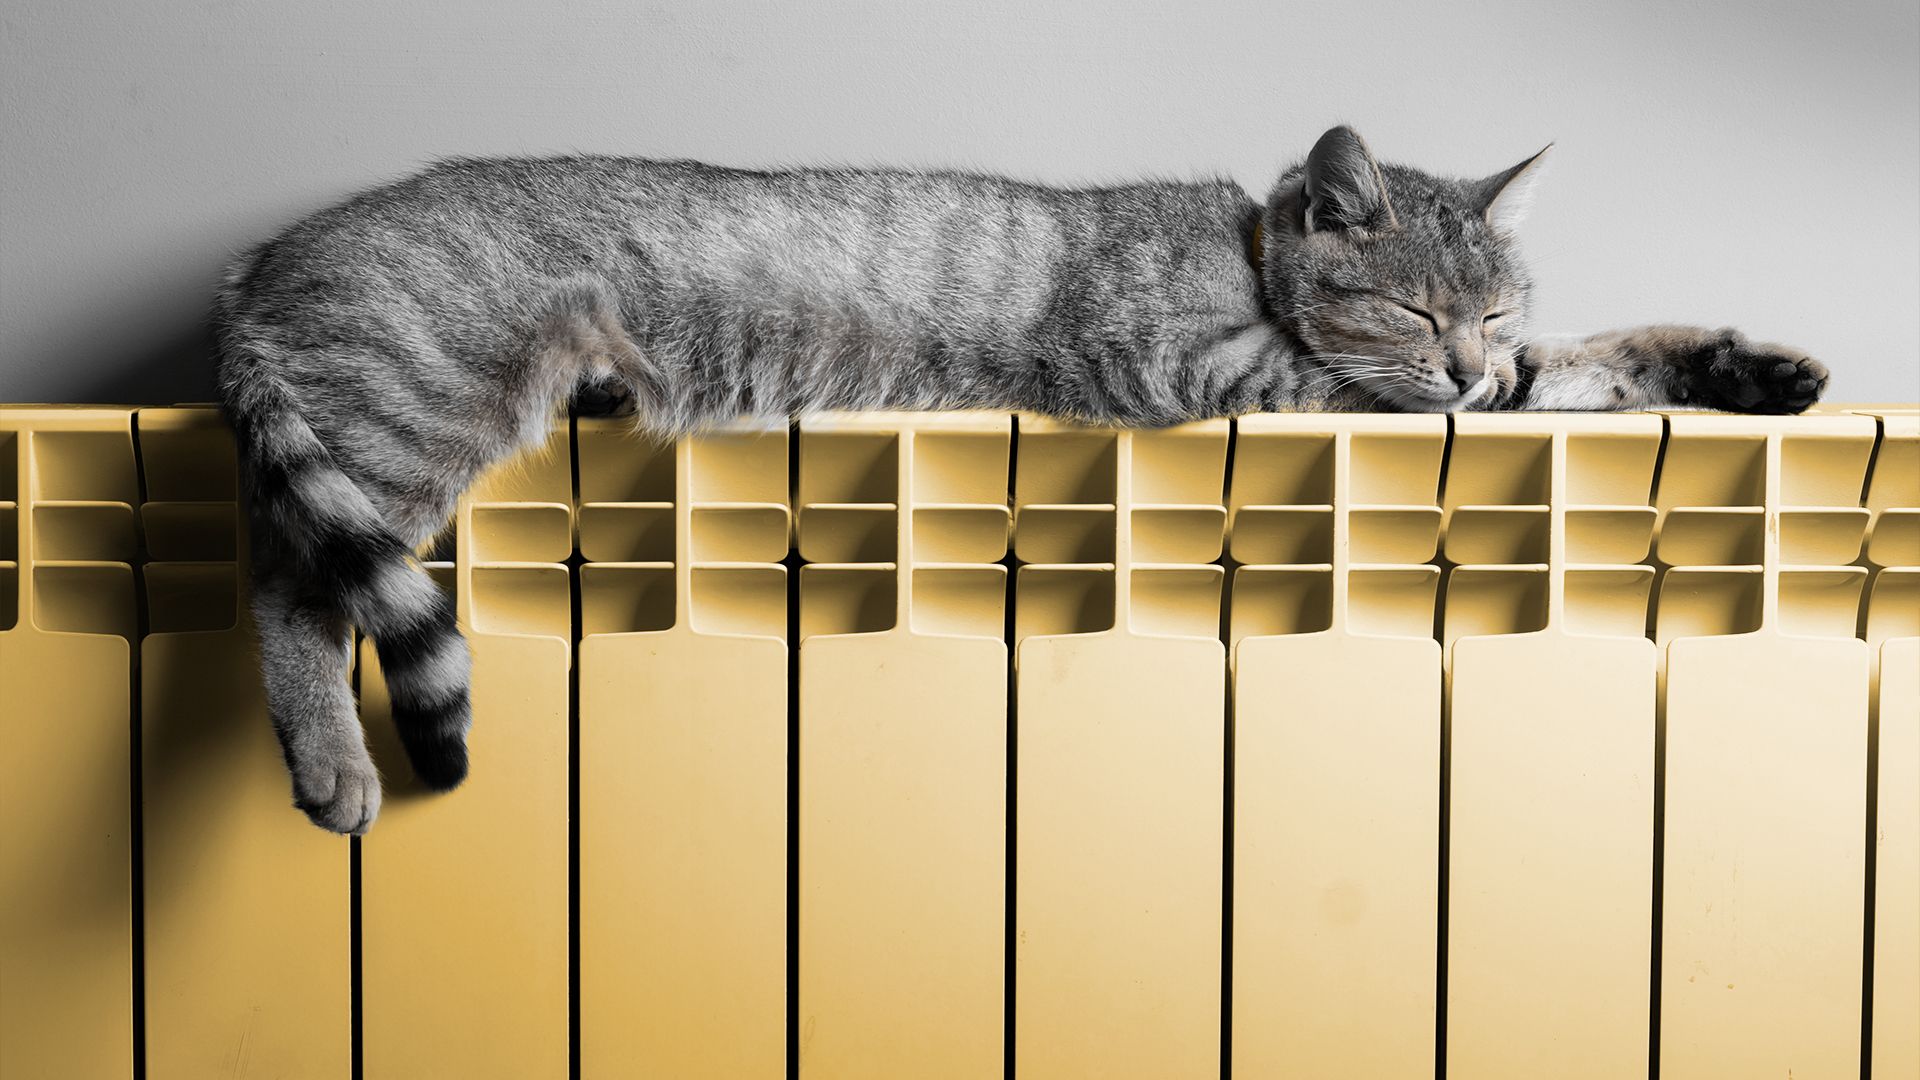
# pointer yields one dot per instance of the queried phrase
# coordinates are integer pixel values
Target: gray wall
(1747, 163)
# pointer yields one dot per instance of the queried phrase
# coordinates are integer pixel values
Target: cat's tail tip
(440, 762)
(429, 676)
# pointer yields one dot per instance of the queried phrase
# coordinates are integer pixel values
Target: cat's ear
(1344, 185)
(1505, 196)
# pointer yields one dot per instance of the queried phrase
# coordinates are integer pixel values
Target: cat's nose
(1463, 377)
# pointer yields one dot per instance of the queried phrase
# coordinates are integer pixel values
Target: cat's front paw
(339, 794)
(1738, 375)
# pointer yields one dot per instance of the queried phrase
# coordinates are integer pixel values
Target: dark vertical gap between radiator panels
(1867, 928)
(1873, 459)
(1226, 878)
(1872, 881)
(1441, 899)
(356, 1027)
(1656, 950)
(137, 870)
(1446, 772)
(1226, 564)
(1657, 907)
(574, 561)
(793, 563)
(356, 1009)
(1008, 926)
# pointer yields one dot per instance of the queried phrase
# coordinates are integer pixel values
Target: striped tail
(312, 521)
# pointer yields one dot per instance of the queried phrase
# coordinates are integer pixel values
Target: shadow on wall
(176, 368)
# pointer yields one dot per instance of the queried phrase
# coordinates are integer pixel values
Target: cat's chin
(1417, 400)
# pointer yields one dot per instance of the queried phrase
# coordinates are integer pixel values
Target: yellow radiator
(963, 745)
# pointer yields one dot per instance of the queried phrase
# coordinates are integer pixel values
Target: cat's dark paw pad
(341, 795)
(608, 398)
(1758, 377)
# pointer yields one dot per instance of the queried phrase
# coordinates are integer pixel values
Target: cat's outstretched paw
(339, 795)
(1739, 375)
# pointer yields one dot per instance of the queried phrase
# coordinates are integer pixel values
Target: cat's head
(1403, 286)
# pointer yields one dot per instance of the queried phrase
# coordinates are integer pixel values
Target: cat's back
(523, 205)
(469, 237)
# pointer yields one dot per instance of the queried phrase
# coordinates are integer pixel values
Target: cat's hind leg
(331, 554)
(306, 652)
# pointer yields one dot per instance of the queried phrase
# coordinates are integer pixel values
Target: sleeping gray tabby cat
(377, 356)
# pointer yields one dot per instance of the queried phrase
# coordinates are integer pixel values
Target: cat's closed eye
(1424, 315)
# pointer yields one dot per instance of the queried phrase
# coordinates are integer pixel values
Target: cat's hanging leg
(328, 556)
(306, 651)
(1654, 367)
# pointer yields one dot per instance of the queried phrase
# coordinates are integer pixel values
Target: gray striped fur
(378, 355)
